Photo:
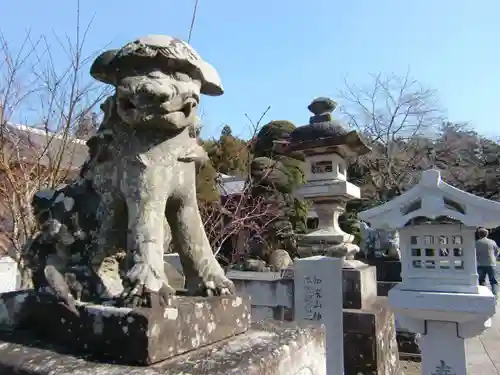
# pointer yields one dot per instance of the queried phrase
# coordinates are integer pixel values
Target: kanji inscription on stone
(443, 369)
(313, 295)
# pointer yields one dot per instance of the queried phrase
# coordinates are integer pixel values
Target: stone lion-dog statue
(142, 165)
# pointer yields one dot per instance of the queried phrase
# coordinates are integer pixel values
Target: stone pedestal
(370, 345)
(388, 276)
(444, 321)
(359, 286)
(270, 348)
(443, 349)
(139, 336)
(370, 340)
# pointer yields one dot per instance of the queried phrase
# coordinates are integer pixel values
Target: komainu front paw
(218, 285)
(143, 288)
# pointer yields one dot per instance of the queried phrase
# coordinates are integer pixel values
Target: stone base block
(133, 336)
(271, 293)
(370, 346)
(408, 345)
(387, 269)
(270, 348)
(359, 286)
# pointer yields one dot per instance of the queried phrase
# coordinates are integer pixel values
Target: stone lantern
(326, 144)
(439, 296)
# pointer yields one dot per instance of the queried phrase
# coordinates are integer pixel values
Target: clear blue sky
(284, 53)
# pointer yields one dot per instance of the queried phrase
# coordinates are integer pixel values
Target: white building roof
(223, 176)
(232, 187)
(432, 198)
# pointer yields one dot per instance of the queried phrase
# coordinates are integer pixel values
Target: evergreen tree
(229, 154)
(206, 187)
(206, 180)
(276, 174)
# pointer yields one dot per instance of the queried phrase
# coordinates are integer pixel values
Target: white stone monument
(439, 296)
(326, 144)
(318, 299)
(9, 275)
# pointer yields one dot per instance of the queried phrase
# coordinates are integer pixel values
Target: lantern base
(443, 306)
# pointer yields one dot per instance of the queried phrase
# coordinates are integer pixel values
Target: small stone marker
(318, 299)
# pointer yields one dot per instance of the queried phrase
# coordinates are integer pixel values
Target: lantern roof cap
(325, 135)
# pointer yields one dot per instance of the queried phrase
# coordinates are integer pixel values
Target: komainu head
(158, 81)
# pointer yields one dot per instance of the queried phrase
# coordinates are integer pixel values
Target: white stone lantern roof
(436, 257)
(439, 295)
(433, 198)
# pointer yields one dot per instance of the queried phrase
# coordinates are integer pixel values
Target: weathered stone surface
(272, 298)
(388, 276)
(280, 260)
(133, 336)
(270, 348)
(326, 243)
(370, 340)
(359, 287)
(271, 294)
(255, 265)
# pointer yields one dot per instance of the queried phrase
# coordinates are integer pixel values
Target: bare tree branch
(239, 215)
(397, 116)
(51, 98)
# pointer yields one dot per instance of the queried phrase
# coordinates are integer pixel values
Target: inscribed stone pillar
(318, 299)
(443, 349)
